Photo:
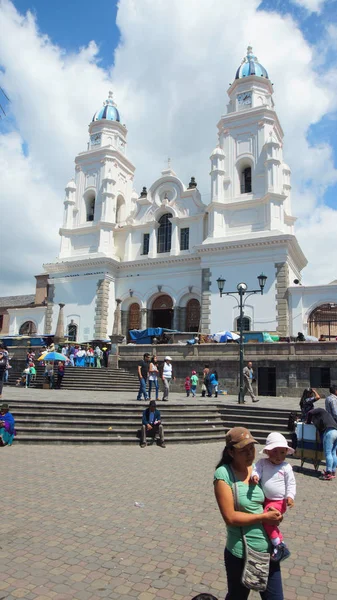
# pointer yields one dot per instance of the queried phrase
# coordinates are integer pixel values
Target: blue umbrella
(54, 356)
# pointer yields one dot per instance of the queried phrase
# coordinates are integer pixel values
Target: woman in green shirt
(236, 465)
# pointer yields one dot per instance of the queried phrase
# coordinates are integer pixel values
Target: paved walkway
(106, 397)
(70, 528)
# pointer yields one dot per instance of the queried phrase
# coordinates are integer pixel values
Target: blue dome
(250, 66)
(108, 111)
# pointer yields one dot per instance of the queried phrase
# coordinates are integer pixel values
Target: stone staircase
(85, 378)
(59, 422)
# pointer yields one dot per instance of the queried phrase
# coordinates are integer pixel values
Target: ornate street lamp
(241, 292)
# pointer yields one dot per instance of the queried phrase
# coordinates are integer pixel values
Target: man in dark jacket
(151, 425)
(327, 427)
(3, 367)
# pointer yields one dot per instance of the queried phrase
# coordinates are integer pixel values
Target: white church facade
(157, 255)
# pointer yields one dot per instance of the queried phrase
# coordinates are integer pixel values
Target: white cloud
(170, 78)
(317, 234)
(310, 5)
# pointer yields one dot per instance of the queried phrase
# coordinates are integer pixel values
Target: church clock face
(95, 139)
(245, 99)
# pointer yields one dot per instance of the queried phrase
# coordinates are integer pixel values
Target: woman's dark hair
(307, 392)
(226, 458)
(153, 358)
(215, 373)
(204, 597)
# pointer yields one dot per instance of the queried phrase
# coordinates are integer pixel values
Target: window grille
(184, 238)
(164, 234)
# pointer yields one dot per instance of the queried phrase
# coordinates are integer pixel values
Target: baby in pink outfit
(278, 483)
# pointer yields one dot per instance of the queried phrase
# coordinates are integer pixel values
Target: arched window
(27, 328)
(164, 234)
(134, 316)
(323, 321)
(72, 332)
(245, 324)
(90, 207)
(120, 210)
(246, 180)
(192, 315)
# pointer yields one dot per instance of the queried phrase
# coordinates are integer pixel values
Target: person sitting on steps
(151, 425)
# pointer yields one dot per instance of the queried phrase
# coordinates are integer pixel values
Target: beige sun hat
(277, 440)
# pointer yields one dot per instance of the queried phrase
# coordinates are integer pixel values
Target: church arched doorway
(162, 312)
(192, 315)
(134, 316)
(323, 321)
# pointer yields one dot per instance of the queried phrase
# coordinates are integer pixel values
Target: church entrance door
(162, 312)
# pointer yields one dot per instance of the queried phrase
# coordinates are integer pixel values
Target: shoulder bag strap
(235, 491)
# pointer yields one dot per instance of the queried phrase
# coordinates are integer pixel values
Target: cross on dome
(110, 99)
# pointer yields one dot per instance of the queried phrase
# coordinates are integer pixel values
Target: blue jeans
(237, 591)
(330, 448)
(142, 390)
(154, 384)
(193, 390)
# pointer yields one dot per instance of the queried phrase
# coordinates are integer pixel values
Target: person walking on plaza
(98, 357)
(327, 427)
(331, 402)
(206, 382)
(153, 377)
(214, 382)
(245, 517)
(151, 425)
(143, 369)
(187, 386)
(248, 379)
(167, 376)
(194, 383)
(105, 356)
(60, 375)
(3, 368)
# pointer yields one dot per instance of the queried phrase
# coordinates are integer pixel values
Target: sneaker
(333, 474)
(280, 553)
(327, 476)
(143, 445)
(163, 445)
(256, 400)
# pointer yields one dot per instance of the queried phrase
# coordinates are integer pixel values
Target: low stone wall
(292, 362)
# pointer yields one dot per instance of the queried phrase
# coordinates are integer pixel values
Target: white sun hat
(167, 358)
(277, 440)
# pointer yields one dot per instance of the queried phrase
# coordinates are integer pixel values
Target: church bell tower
(250, 183)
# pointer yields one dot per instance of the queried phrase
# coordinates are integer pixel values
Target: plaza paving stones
(70, 529)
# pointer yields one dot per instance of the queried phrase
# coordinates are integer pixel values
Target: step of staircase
(63, 422)
(86, 378)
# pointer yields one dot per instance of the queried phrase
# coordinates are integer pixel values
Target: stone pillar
(101, 309)
(205, 317)
(59, 334)
(117, 326)
(143, 318)
(49, 312)
(282, 284)
(124, 320)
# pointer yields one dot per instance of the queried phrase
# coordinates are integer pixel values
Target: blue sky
(73, 24)
(169, 63)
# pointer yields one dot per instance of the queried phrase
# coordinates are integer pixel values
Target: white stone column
(153, 241)
(174, 237)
